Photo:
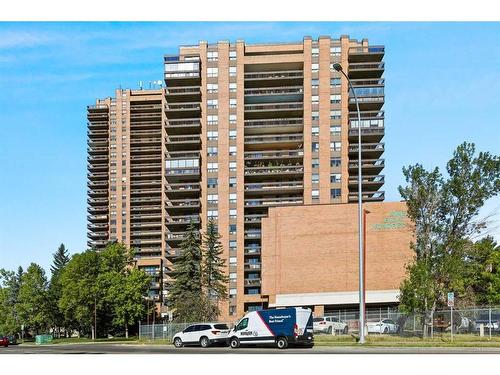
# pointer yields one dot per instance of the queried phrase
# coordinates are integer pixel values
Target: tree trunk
(126, 331)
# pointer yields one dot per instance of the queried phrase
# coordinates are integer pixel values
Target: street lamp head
(337, 67)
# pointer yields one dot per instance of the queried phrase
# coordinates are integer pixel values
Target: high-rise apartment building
(237, 129)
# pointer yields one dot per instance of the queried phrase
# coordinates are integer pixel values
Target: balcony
(95, 201)
(139, 242)
(146, 217)
(175, 236)
(269, 155)
(285, 170)
(263, 110)
(147, 116)
(97, 150)
(135, 183)
(252, 234)
(252, 266)
(269, 202)
(183, 172)
(146, 233)
(141, 149)
(366, 53)
(97, 158)
(174, 204)
(182, 188)
(97, 243)
(183, 123)
(276, 77)
(181, 220)
(97, 175)
(186, 107)
(140, 106)
(97, 134)
(172, 253)
(374, 150)
(369, 166)
(280, 90)
(98, 192)
(373, 134)
(134, 142)
(277, 125)
(252, 250)
(370, 70)
(183, 90)
(145, 208)
(97, 218)
(367, 102)
(376, 196)
(369, 183)
(265, 142)
(97, 184)
(273, 187)
(98, 235)
(98, 227)
(183, 142)
(146, 199)
(254, 219)
(252, 282)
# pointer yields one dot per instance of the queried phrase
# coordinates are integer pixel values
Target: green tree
(10, 284)
(80, 290)
(61, 259)
(186, 292)
(214, 280)
(32, 299)
(126, 294)
(444, 212)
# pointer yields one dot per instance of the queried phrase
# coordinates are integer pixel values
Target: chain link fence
(479, 322)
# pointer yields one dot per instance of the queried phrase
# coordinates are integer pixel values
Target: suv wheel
(346, 330)
(329, 331)
(386, 330)
(178, 342)
(204, 342)
(282, 343)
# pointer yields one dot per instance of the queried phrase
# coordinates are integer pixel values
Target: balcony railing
(182, 171)
(368, 196)
(184, 219)
(182, 139)
(252, 282)
(274, 122)
(274, 138)
(376, 130)
(286, 90)
(378, 179)
(185, 122)
(367, 49)
(366, 66)
(181, 187)
(272, 201)
(285, 154)
(367, 163)
(182, 107)
(252, 250)
(367, 147)
(273, 106)
(273, 185)
(275, 75)
(182, 203)
(254, 218)
(285, 169)
(252, 266)
(182, 90)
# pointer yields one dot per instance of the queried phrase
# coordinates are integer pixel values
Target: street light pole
(338, 68)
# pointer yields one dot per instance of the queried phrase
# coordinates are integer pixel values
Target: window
(213, 198)
(315, 83)
(335, 98)
(232, 245)
(315, 178)
(335, 193)
(211, 151)
(212, 72)
(212, 182)
(315, 146)
(242, 325)
(232, 228)
(315, 194)
(232, 134)
(212, 135)
(232, 292)
(232, 150)
(334, 129)
(315, 51)
(232, 87)
(232, 55)
(232, 103)
(335, 115)
(315, 99)
(315, 115)
(212, 88)
(232, 260)
(232, 213)
(232, 310)
(232, 276)
(212, 103)
(232, 71)
(212, 167)
(186, 163)
(212, 55)
(213, 214)
(232, 166)
(232, 119)
(335, 51)
(335, 146)
(334, 178)
(212, 119)
(335, 162)
(335, 82)
(232, 198)
(315, 68)
(315, 163)
(315, 130)
(232, 181)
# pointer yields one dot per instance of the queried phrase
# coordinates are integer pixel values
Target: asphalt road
(112, 348)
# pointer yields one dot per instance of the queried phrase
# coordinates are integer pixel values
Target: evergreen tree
(61, 259)
(186, 292)
(214, 280)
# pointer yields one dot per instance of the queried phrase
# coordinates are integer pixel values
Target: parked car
(484, 319)
(381, 326)
(329, 324)
(280, 327)
(12, 339)
(4, 341)
(204, 335)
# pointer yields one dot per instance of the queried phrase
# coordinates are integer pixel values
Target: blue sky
(442, 88)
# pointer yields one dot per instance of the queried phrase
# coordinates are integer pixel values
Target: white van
(280, 327)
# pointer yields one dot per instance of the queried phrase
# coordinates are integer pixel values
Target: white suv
(203, 334)
(329, 324)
